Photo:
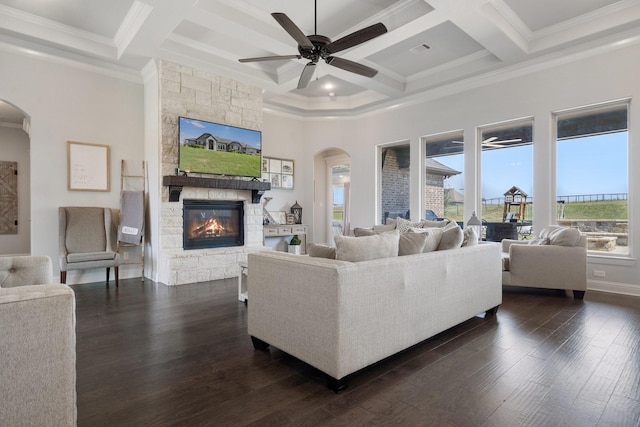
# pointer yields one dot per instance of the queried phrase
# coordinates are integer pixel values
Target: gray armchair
(37, 344)
(87, 239)
(555, 259)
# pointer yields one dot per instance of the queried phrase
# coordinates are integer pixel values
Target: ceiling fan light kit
(315, 47)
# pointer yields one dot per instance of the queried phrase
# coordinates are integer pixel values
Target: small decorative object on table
(291, 219)
(296, 210)
(294, 245)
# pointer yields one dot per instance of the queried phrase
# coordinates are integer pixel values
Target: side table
(243, 293)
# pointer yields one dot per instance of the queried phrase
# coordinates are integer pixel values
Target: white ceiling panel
(467, 39)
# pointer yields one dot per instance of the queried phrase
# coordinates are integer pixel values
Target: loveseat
(556, 258)
(37, 344)
(341, 316)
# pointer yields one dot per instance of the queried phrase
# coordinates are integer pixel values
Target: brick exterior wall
(188, 92)
(395, 189)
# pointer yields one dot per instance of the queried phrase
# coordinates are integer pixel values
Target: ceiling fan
(315, 47)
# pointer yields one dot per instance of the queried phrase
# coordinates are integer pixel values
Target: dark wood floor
(151, 355)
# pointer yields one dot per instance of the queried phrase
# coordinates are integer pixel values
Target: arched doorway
(15, 193)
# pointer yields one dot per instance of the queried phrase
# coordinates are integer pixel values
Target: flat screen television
(213, 148)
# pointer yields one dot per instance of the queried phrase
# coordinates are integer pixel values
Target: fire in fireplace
(212, 224)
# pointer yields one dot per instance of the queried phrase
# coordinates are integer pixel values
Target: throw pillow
(452, 237)
(383, 227)
(412, 243)
(470, 237)
(354, 249)
(564, 237)
(321, 251)
(359, 232)
(403, 225)
(434, 235)
(425, 223)
(537, 241)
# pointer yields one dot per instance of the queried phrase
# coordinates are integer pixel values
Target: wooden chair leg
(115, 269)
(108, 270)
(63, 277)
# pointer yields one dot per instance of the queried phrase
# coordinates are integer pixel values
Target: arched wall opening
(15, 182)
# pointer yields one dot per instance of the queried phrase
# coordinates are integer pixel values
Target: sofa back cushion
(452, 237)
(411, 243)
(321, 251)
(383, 245)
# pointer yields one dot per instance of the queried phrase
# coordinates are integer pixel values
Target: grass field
(607, 209)
(219, 162)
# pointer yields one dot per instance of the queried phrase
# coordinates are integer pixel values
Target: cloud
(196, 123)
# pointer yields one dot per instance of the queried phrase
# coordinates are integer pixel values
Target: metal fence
(574, 198)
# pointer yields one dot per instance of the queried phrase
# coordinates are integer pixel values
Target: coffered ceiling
(430, 44)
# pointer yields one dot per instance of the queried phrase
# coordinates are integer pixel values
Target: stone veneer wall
(188, 92)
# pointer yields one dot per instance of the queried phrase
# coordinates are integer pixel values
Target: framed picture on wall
(278, 172)
(87, 167)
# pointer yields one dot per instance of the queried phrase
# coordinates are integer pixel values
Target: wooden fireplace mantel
(176, 183)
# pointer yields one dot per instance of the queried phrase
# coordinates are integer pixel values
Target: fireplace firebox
(212, 224)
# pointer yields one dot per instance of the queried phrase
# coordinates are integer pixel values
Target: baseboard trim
(614, 287)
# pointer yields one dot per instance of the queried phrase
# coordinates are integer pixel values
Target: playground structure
(517, 198)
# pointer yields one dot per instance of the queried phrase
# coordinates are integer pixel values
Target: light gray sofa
(37, 344)
(341, 316)
(556, 258)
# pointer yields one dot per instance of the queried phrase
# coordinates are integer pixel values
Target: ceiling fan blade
(354, 67)
(293, 30)
(307, 74)
(269, 58)
(357, 38)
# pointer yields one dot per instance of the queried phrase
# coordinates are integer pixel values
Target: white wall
(71, 104)
(587, 80)
(14, 147)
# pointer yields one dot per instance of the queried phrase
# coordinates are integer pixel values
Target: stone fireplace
(190, 92)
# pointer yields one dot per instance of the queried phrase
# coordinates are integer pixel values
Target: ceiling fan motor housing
(318, 51)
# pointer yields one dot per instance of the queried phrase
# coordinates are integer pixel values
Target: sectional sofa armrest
(506, 244)
(38, 347)
(558, 266)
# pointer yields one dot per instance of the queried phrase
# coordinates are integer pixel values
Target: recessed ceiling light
(328, 86)
(420, 48)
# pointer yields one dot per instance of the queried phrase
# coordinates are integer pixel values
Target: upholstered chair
(37, 344)
(87, 239)
(554, 259)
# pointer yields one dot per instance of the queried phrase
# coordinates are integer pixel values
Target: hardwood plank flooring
(152, 355)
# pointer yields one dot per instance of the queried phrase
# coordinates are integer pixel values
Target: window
(444, 177)
(395, 181)
(592, 179)
(507, 179)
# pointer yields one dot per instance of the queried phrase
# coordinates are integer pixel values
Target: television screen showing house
(218, 149)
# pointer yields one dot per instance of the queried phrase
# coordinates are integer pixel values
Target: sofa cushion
(452, 237)
(470, 237)
(383, 245)
(385, 227)
(425, 223)
(434, 235)
(321, 251)
(411, 243)
(359, 231)
(538, 241)
(565, 237)
(403, 225)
